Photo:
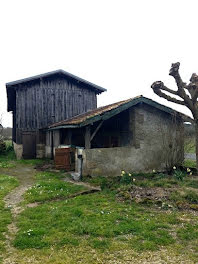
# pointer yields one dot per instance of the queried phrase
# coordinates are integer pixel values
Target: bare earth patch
(25, 175)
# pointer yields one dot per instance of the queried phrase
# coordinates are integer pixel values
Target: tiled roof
(105, 112)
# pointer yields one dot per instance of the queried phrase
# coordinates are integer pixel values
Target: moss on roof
(106, 112)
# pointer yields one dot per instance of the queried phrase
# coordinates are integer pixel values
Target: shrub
(9, 148)
(2, 147)
(179, 175)
(126, 178)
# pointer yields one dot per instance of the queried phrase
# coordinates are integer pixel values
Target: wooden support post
(52, 144)
(69, 135)
(87, 137)
(96, 130)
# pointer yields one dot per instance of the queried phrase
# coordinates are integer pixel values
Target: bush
(9, 148)
(179, 175)
(126, 178)
(2, 147)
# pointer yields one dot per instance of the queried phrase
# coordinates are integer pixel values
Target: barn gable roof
(106, 112)
(57, 72)
(11, 86)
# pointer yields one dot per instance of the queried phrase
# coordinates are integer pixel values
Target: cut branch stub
(174, 69)
(194, 78)
(157, 85)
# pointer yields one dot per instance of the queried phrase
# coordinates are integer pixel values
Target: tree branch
(158, 86)
(168, 90)
(174, 71)
(193, 87)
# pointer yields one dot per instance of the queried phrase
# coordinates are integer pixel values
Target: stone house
(135, 135)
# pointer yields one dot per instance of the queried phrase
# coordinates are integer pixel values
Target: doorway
(29, 145)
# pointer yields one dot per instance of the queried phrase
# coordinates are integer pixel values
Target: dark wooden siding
(43, 102)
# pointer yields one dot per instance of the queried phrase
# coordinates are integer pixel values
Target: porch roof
(106, 112)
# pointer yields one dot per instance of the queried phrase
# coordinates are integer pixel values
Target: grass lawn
(190, 164)
(110, 226)
(101, 228)
(7, 183)
(50, 186)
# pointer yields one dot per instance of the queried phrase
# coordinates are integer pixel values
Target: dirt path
(25, 175)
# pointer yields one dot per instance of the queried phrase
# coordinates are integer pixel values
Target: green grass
(7, 183)
(96, 221)
(100, 227)
(99, 224)
(8, 143)
(8, 159)
(189, 164)
(50, 186)
(189, 145)
(95, 217)
(150, 180)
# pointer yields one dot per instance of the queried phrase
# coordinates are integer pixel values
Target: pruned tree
(187, 93)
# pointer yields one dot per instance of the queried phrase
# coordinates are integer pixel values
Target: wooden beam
(87, 137)
(69, 136)
(52, 144)
(96, 130)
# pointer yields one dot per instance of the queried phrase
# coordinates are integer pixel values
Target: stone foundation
(18, 149)
(40, 151)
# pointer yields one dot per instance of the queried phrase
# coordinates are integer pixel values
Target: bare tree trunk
(196, 140)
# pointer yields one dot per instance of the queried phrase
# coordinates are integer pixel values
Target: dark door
(29, 145)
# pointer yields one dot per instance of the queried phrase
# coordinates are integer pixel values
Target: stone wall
(157, 144)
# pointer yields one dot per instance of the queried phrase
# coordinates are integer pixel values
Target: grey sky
(121, 45)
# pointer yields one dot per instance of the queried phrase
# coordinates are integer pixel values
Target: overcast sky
(121, 45)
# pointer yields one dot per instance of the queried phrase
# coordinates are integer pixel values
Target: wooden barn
(42, 100)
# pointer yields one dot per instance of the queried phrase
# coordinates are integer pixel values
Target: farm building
(57, 110)
(41, 100)
(137, 134)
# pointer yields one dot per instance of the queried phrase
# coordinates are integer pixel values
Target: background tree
(188, 94)
(2, 143)
(1, 127)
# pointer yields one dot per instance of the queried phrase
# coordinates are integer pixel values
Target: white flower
(174, 168)
(191, 173)
(133, 179)
(154, 171)
(123, 172)
(188, 170)
(129, 174)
